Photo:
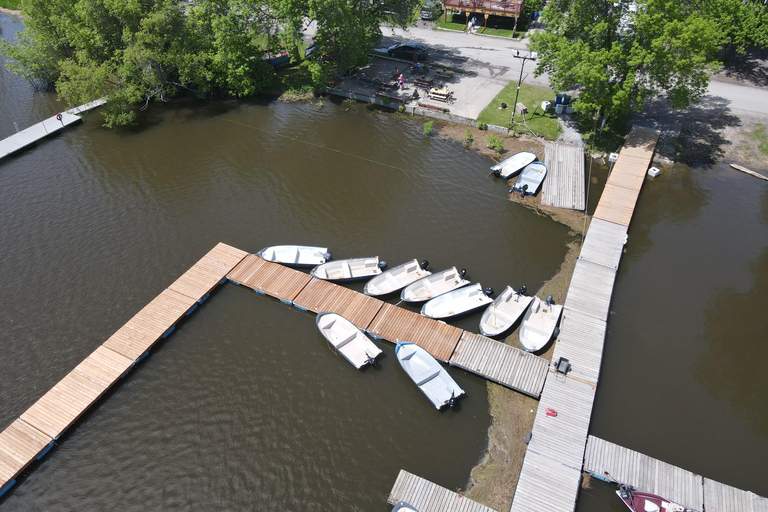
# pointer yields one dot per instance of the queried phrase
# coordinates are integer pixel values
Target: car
(431, 10)
(408, 50)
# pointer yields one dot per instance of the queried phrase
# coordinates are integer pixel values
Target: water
(244, 406)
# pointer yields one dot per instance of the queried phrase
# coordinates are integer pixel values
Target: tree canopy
(137, 51)
(619, 55)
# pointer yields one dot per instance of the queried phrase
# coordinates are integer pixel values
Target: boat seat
(298, 256)
(346, 340)
(428, 377)
(651, 507)
(536, 307)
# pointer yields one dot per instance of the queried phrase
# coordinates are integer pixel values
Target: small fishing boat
(280, 58)
(512, 165)
(349, 269)
(504, 311)
(396, 278)
(639, 501)
(436, 284)
(295, 255)
(402, 506)
(539, 324)
(347, 339)
(457, 302)
(530, 179)
(428, 375)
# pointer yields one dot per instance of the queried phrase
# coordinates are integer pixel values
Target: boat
(277, 59)
(347, 339)
(295, 255)
(512, 165)
(396, 278)
(457, 302)
(428, 375)
(349, 269)
(639, 501)
(530, 179)
(402, 506)
(504, 311)
(539, 324)
(436, 284)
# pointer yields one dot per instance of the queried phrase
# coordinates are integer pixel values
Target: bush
(401, 109)
(469, 139)
(428, 127)
(483, 126)
(495, 143)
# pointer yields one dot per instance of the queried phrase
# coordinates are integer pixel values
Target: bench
(444, 73)
(439, 94)
(423, 82)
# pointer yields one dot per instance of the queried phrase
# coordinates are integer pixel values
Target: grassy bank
(498, 26)
(13, 5)
(541, 123)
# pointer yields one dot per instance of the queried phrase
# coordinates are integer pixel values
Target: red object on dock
(551, 412)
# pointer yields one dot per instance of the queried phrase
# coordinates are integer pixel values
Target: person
(415, 60)
(401, 80)
(474, 23)
(397, 73)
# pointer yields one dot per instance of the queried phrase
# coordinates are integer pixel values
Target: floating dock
(43, 129)
(551, 472)
(564, 186)
(425, 496)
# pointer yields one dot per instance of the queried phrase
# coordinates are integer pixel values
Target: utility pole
(516, 54)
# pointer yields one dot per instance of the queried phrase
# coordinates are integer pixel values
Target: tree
(618, 56)
(742, 22)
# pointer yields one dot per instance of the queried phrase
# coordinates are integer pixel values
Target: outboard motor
(424, 264)
(462, 273)
(550, 300)
(327, 256)
(371, 361)
(523, 191)
(452, 401)
(488, 291)
(382, 264)
(522, 290)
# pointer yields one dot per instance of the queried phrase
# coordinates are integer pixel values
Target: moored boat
(512, 165)
(457, 302)
(539, 324)
(402, 506)
(347, 339)
(504, 311)
(349, 269)
(639, 501)
(436, 284)
(530, 179)
(431, 378)
(295, 255)
(396, 278)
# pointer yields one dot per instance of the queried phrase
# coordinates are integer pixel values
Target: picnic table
(444, 73)
(439, 94)
(423, 82)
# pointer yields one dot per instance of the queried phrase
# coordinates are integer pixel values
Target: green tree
(742, 23)
(618, 57)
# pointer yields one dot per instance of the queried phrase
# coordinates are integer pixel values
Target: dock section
(551, 473)
(53, 124)
(425, 496)
(564, 186)
(31, 435)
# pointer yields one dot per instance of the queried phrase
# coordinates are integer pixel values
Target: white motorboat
(512, 165)
(395, 278)
(428, 375)
(295, 255)
(530, 179)
(539, 324)
(349, 269)
(505, 310)
(436, 284)
(347, 339)
(457, 302)
(402, 506)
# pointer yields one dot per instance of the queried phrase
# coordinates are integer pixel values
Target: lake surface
(244, 406)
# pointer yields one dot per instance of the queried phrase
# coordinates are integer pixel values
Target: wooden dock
(501, 363)
(425, 496)
(551, 473)
(564, 186)
(34, 133)
(31, 435)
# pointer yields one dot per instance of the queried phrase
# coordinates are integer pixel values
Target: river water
(244, 406)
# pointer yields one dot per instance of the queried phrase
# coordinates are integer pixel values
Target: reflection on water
(734, 331)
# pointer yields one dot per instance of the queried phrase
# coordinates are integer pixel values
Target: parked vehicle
(408, 50)
(431, 10)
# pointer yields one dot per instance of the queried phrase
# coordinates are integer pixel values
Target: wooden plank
(545, 485)
(564, 186)
(604, 243)
(426, 496)
(321, 296)
(590, 289)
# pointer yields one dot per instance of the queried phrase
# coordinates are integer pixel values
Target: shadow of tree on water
(734, 331)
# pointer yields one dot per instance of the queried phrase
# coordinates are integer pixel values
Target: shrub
(428, 127)
(495, 143)
(482, 125)
(401, 109)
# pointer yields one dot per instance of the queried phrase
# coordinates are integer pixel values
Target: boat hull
(432, 286)
(538, 325)
(295, 255)
(347, 339)
(532, 176)
(457, 302)
(351, 269)
(428, 375)
(504, 312)
(638, 501)
(395, 279)
(511, 166)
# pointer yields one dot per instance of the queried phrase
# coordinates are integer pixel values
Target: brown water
(244, 406)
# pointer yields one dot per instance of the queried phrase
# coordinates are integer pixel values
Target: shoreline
(493, 480)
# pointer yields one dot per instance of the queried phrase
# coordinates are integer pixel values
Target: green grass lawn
(541, 123)
(760, 136)
(11, 4)
(497, 25)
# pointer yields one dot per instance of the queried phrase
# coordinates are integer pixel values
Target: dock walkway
(428, 497)
(34, 133)
(551, 473)
(31, 435)
(564, 186)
